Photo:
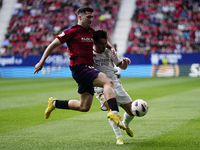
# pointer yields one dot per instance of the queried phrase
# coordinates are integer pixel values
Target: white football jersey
(104, 62)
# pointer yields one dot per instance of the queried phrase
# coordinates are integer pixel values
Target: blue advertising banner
(27, 72)
(20, 67)
(60, 60)
(159, 65)
(156, 59)
(52, 60)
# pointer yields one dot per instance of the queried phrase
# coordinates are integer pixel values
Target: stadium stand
(34, 23)
(165, 26)
(157, 26)
(5, 15)
(123, 25)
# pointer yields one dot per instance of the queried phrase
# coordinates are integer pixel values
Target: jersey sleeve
(64, 35)
(116, 61)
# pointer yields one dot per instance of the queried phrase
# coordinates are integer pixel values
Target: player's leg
(127, 108)
(84, 76)
(128, 117)
(102, 80)
(105, 107)
(125, 101)
(82, 105)
(117, 132)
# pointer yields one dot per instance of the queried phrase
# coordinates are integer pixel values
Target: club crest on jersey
(86, 39)
(107, 56)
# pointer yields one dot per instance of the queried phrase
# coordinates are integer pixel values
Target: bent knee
(110, 82)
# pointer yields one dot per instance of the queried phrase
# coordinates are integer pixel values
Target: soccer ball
(139, 107)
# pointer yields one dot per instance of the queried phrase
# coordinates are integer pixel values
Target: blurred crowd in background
(158, 26)
(35, 23)
(165, 26)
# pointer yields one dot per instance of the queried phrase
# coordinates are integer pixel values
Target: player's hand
(38, 67)
(114, 52)
(127, 60)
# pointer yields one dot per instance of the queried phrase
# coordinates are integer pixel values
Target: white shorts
(120, 94)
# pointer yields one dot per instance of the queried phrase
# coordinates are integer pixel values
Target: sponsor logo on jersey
(101, 62)
(86, 39)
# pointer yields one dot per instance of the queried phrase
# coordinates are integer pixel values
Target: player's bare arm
(47, 52)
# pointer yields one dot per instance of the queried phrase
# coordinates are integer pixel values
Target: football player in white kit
(104, 61)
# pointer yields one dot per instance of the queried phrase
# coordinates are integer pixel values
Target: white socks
(116, 129)
(115, 112)
(54, 103)
(127, 119)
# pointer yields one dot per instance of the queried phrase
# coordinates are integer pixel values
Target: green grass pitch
(172, 122)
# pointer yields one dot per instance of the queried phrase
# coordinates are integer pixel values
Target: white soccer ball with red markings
(139, 107)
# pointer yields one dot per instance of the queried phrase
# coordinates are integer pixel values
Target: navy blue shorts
(84, 76)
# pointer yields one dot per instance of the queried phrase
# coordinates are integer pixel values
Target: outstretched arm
(46, 53)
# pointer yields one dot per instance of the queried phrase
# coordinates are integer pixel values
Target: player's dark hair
(83, 10)
(100, 34)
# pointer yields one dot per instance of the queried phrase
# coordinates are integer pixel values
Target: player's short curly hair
(83, 10)
(100, 34)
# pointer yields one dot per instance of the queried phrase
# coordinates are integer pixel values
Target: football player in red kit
(79, 39)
